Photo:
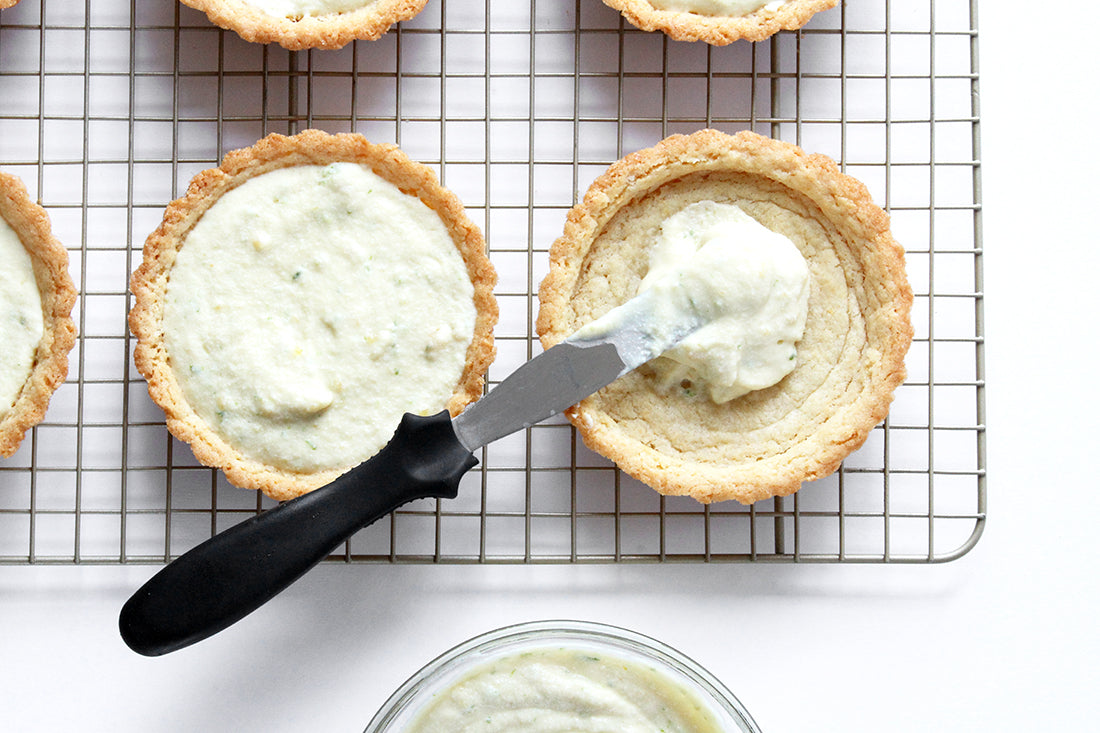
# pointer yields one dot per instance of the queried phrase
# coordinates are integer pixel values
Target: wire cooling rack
(108, 108)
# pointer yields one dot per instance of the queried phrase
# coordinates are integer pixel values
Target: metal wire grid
(107, 110)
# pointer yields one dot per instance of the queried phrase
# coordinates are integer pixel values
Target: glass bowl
(450, 667)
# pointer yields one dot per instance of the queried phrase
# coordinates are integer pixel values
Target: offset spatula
(233, 573)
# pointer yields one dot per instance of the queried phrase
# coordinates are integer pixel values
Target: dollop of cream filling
(729, 8)
(296, 9)
(565, 691)
(750, 285)
(21, 321)
(312, 306)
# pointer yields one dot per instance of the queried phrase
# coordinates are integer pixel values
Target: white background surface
(1004, 639)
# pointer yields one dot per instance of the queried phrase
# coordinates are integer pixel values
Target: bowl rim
(674, 661)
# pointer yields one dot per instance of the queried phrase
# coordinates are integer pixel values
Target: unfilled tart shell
(150, 282)
(720, 30)
(329, 31)
(55, 287)
(849, 361)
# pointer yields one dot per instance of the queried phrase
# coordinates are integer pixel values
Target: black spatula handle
(235, 572)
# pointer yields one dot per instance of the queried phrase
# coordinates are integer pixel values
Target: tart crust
(851, 356)
(55, 286)
(7, 3)
(330, 31)
(150, 281)
(720, 30)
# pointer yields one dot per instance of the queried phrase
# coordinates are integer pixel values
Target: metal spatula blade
(586, 362)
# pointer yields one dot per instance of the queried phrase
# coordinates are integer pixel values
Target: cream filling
(729, 8)
(21, 320)
(296, 9)
(565, 691)
(750, 284)
(312, 306)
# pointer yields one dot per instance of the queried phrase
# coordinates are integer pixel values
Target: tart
(719, 22)
(301, 24)
(7, 3)
(36, 299)
(300, 298)
(851, 354)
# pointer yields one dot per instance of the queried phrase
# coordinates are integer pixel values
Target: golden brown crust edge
(51, 273)
(839, 197)
(7, 3)
(311, 147)
(719, 31)
(330, 31)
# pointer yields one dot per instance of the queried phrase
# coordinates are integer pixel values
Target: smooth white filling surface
(21, 321)
(749, 283)
(565, 691)
(311, 307)
(731, 8)
(305, 8)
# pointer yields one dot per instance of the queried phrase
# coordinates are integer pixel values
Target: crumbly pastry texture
(329, 31)
(55, 286)
(311, 147)
(717, 30)
(851, 357)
